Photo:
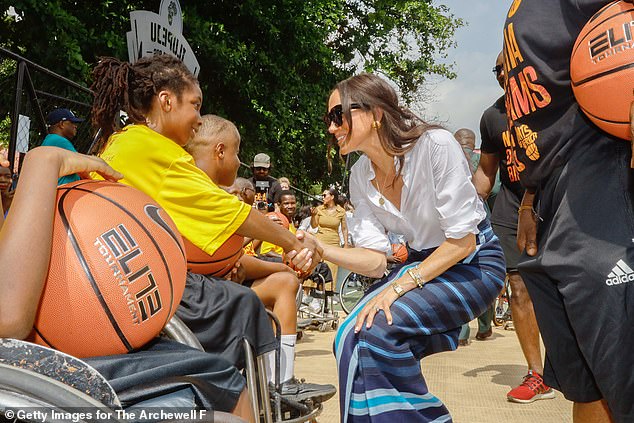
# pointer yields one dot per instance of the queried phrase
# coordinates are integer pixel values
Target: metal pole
(19, 81)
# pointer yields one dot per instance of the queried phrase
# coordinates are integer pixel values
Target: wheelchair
(318, 318)
(33, 376)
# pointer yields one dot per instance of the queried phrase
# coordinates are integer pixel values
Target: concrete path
(472, 381)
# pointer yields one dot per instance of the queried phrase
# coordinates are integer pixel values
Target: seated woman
(201, 378)
(412, 179)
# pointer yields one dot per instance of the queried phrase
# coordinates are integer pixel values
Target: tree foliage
(267, 65)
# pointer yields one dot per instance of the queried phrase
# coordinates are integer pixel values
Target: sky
(459, 103)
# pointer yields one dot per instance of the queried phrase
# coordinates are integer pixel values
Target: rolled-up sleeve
(365, 228)
(457, 202)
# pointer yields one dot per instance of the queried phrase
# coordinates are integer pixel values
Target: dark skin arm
(484, 176)
(26, 236)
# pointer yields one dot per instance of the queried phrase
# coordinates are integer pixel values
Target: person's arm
(302, 253)
(364, 261)
(26, 236)
(484, 176)
(314, 220)
(450, 252)
(344, 231)
(257, 269)
(527, 225)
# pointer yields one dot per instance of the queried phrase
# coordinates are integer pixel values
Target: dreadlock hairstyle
(129, 87)
(399, 127)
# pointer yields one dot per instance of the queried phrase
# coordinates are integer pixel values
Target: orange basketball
(281, 216)
(218, 264)
(602, 68)
(117, 271)
(399, 251)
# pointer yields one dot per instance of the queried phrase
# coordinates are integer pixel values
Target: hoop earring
(376, 124)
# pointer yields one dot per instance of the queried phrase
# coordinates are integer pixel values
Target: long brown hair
(400, 128)
(129, 87)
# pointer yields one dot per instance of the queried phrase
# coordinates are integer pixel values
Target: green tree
(267, 65)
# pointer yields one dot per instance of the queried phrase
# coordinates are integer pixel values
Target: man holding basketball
(578, 202)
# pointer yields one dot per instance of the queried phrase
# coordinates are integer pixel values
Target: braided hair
(129, 87)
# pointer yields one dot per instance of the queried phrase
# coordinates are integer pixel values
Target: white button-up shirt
(438, 200)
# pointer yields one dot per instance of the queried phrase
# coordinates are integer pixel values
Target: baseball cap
(261, 160)
(59, 115)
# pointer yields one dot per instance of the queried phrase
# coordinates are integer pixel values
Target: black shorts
(581, 281)
(508, 240)
(163, 367)
(222, 314)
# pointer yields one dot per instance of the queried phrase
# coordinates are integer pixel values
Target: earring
(376, 124)
(169, 105)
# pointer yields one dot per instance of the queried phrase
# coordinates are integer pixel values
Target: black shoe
(299, 391)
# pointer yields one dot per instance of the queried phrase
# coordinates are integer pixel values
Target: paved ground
(472, 381)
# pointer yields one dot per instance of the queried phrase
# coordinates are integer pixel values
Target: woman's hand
(381, 302)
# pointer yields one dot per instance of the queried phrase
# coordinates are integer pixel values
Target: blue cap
(59, 115)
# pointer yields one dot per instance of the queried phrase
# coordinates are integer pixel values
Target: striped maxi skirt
(380, 378)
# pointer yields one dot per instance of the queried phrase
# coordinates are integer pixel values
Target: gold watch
(398, 289)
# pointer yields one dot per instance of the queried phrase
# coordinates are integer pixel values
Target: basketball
(602, 68)
(281, 216)
(399, 251)
(117, 271)
(218, 264)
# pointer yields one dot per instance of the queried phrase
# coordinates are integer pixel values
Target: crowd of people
(551, 215)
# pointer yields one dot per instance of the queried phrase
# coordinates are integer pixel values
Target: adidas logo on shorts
(621, 273)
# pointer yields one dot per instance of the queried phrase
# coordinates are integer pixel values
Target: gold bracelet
(527, 207)
(416, 277)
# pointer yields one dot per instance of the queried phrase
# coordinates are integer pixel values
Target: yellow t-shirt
(266, 247)
(203, 213)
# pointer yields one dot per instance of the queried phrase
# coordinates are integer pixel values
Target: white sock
(287, 361)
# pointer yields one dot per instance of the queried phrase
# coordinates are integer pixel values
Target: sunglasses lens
(335, 115)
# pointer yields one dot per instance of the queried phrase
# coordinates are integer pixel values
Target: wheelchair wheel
(503, 306)
(23, 389)
(352, 289)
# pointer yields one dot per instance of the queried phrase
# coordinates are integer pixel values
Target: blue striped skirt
(380, 378)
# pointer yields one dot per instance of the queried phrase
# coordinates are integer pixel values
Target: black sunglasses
(497, 69)
(336, 114)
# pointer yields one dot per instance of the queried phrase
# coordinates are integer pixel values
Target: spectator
(466, 138)
(6, 193)
(576, 217)
(328, 218)
(285, 184)
(62, 127)
(494, 157)
(266, 187)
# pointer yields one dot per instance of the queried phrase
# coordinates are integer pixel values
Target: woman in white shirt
(412, 179)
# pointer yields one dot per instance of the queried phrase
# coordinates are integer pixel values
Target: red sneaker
(531, 389)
